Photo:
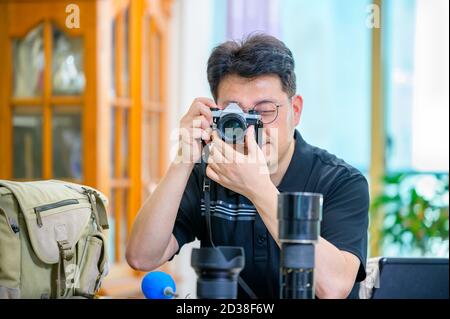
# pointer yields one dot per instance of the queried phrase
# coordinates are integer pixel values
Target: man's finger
(212, 174)
(250, 140)
(217, 175)
(202, 106)
(197, 133)
(207, 101)
(215, 135)
(216, 156)
(201, 121)
(225, 149)
(206, 135)
(205, 111)
(250, 135)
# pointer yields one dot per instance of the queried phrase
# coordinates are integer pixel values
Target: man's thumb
(250, 139)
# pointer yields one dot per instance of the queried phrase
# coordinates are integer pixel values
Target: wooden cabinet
(86, 103)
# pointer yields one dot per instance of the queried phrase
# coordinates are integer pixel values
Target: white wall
(191, 36)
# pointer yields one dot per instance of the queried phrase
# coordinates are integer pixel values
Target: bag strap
(98, 208)
(65, 259)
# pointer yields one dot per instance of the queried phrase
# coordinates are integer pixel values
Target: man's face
(278, 134)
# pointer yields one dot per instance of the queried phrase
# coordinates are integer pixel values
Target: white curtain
(430, 140)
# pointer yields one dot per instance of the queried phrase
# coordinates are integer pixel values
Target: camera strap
(207, 198)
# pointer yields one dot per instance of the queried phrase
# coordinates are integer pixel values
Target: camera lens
(217, 270)
(299, 216)
(232, 128)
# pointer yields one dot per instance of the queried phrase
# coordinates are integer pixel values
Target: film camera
(232, 123)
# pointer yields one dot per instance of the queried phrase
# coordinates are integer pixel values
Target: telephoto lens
(217, 270)
(299, 216)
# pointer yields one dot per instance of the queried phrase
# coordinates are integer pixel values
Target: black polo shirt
(235, 221)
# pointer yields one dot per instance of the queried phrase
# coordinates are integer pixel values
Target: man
(256, 74)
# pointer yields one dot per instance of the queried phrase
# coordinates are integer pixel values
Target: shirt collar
(296, 176)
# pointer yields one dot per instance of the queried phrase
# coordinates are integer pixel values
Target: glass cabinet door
(47, 115)
(120, 110)
(28, 64)
(153, 106)
(67, 66)
(66, 142)
(27, 142)
(27, 120)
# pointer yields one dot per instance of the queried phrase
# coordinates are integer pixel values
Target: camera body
(232, 123)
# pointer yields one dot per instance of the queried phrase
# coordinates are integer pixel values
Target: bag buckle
(65, 250)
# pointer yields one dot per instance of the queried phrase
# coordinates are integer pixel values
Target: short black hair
(258, 54)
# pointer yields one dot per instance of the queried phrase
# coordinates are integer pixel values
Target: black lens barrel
(217, 270)
(299, 216)
(232, 128)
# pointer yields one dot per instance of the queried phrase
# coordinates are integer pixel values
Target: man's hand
(246, 174)
(195, 126)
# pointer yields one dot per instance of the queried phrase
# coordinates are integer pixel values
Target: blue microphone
(158, 285)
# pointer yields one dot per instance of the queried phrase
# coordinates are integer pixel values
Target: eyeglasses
(268, 111)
